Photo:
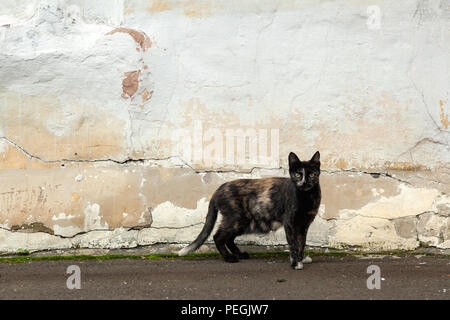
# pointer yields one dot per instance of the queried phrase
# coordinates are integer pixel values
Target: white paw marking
(299, 266)
(307, 259)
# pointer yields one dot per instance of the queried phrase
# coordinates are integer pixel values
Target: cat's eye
(311, 175)
(298, 175)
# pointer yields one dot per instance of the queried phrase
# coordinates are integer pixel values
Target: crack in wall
(75, 243)
(379, 217)
(126, 229)
(374, 175)
(420, 142)
(179, 228)
(250, 171)
(426, 106)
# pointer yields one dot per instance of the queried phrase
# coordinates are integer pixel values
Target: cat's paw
(299, 266)
(243, 255)
(307, 259)
(231, 259)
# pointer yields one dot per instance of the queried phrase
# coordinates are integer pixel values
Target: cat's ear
(316, 157)
(293, 160)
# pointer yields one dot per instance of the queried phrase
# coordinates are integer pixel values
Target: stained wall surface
(119, 118)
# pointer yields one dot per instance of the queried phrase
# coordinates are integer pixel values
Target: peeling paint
(140, 37)
(158, 6)
(130, 83)
(62, 216)
(371, 234)
(444, 118)
(410, 202)
(88, 133)
(32, 227)
(92, 218)
(86, 155)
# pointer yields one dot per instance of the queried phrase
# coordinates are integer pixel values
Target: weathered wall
(110, 108)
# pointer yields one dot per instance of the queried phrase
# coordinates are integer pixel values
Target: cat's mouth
(300, 184)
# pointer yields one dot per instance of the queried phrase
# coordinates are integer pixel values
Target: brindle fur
(262, 205)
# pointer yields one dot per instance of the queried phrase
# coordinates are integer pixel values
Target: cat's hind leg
(237, 228)
(307, 259)
(235, 250)
(221, 237)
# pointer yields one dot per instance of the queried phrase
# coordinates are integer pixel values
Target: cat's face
(304, 174)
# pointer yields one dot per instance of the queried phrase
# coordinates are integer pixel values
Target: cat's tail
(211, 218)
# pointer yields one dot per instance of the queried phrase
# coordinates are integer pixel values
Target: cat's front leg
(292, 240)
(301, 243)
(302, 240)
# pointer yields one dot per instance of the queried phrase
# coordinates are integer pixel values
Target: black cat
(261, 205)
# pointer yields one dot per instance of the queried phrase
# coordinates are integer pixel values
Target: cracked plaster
(90, 94)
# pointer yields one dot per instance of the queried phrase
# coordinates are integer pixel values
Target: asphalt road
(328, 277)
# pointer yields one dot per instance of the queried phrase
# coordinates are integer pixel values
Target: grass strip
(157, 256)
